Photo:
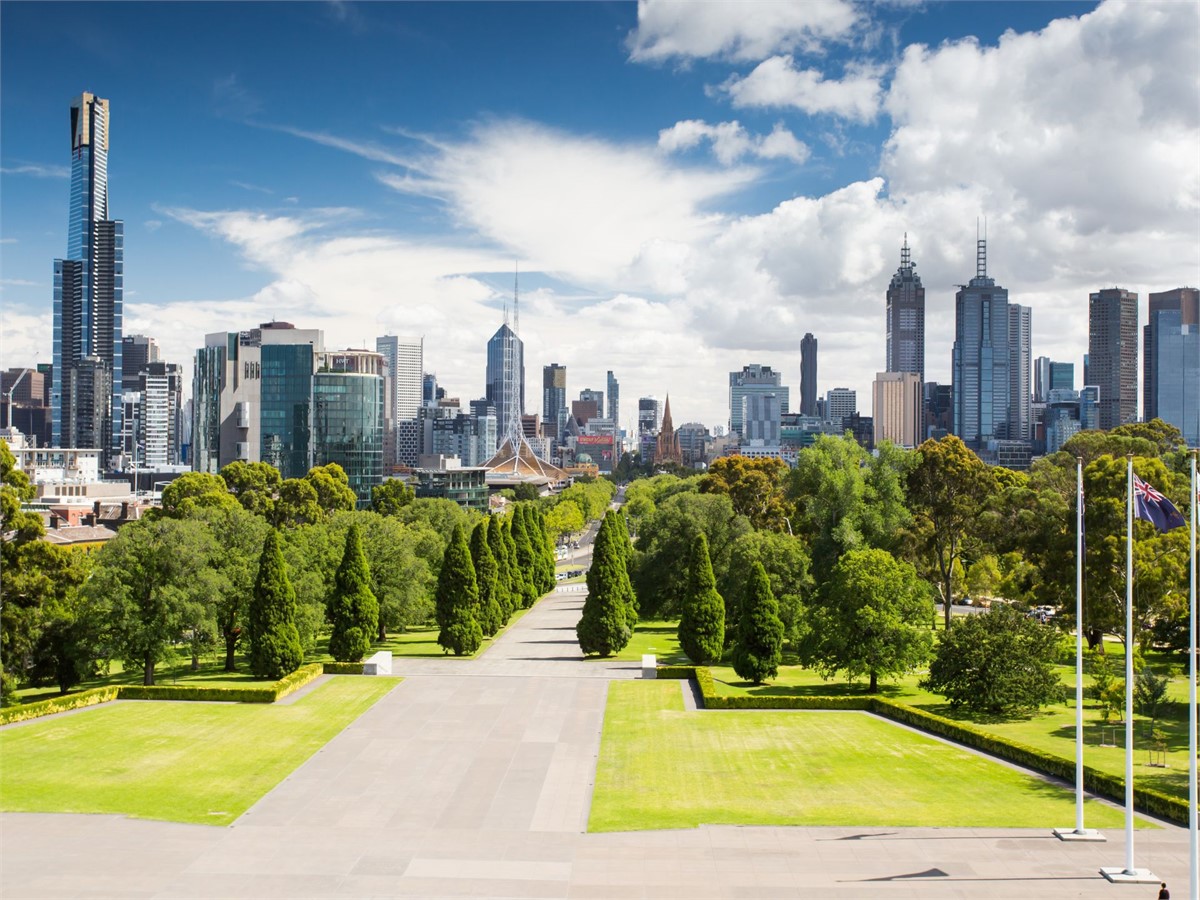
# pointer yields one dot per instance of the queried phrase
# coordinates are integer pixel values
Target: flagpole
(1130, 872)
(1192, 827)
(1080, 833)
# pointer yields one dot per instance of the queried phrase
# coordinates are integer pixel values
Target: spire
(516, 300)
(981, 250)
(905, 256)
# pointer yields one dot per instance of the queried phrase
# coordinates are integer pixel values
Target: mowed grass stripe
(663, 767)
(181, 762)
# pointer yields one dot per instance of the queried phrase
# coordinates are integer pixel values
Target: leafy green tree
(872, 619)
(275, 647)
(983, 576)
(353, 608)
(1149, 694)
(702, 619)
(758, 649)
(525, 492)
(1107, 688)
(71, 625)
(297, 505)
(487, 572)
(947, 491)
(565, 518)
(756, 487)
(458, 599)
(254, 484)
(195, 490)
(604, 627)
(997, 663)
(332, 486)
(151, 576)
(240, 535)
(665, 539)
(392, 496)
(23, 586)
(785, 559)
(443, 516)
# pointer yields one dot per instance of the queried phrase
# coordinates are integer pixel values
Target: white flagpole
(1080, 833)
(1194, 501)
(1130, 873)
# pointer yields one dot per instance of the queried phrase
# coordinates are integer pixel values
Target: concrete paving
(473, 779)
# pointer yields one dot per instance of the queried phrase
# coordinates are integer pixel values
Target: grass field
(181, 762)
(663, 767)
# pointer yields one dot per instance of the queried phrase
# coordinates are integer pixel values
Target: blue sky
(687, 188)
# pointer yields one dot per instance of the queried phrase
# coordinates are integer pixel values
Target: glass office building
(286, 416)
(348, 418)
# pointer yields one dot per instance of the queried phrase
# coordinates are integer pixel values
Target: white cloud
(730, 141)
(37, 170)
(777, 83)
(746, 30)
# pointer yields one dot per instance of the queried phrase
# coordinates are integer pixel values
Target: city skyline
(729, 184)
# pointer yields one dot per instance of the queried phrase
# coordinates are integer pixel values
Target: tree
(1149, 692)
(543, 549)
(947, 490)
(525, 491)
(389, 498)
(458, 599)
(785, 560)
(254, 484)
(297, 505)
(240, 535)
(702, 621)
(755, 487)
(564, 518)
(522, 591)
(758, 649)
(872, 619)
(195, 490)
(332, 487)
(526, 561)
(490, 615)
(1107, 688)
(983, 576)
(353, 608)
(151, 576)
(22, 587)
(997, 663)
(275, 647)
(507, 598)
(604, 626)
(70, 623)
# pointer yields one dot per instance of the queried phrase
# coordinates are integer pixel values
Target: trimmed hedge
(25, 711)
(343, 668)
(291, 683)
(1146, 800)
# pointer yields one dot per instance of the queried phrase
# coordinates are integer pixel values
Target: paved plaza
(473, 779)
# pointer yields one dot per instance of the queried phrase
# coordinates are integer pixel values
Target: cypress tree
(545, 549)
(274, 641)
(759, 645)
(486, 580)
(604, 626)
(515, 575)
(702, 624)
(621, 530)
(458, 598)
(352, 605)
(525, 558)
(504, 589)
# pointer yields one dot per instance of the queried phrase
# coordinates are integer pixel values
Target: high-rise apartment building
(1171, 342)
(905, 318)
(808, 375)
(405, 360)
(753, 379)
(1020, 337)
(1170, 312)
(505, 386)
(898, 411)
(137, 351)
(614, 397)
(981, 358)
(840, 404)
(89, 289)
(1113, 354)
(153, 435)
(554, 397)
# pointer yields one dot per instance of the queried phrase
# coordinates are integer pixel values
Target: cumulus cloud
(777, 83)
(730, 141)
(37, 170)
(747, 30)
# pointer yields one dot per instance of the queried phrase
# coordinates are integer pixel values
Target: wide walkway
(473, 779)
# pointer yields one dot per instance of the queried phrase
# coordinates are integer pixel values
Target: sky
(685, 187)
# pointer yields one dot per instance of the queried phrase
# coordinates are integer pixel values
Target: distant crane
(12, 390)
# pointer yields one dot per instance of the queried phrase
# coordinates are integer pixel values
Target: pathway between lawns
(473, 778)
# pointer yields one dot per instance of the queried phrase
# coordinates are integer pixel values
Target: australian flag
(1152, 506)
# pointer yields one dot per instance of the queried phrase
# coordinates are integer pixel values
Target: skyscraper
(505, 387)
(405, 358)
(905, 319)
(1020, 336)
(648, 416)
(753, 379)
(840, 404)
(554, 397)
(137, 351)
(1113, 354)
(614, 404)
(89, 284)
(898, 408)
(980, 361)
(808, 375)
(1185, 302)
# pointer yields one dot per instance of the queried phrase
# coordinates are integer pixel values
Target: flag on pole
(1150, 505)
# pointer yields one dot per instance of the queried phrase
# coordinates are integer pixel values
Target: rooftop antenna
(516, 298)
(905, 256)
(981, 250)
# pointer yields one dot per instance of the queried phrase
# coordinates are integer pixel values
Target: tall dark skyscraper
(1113, 354)
(905, 319)
(808, 375)
(554, 396)
(89, 287)
(1185, 302)
(614, 400)
(1171, 350)
(981, 358)
(505, 388)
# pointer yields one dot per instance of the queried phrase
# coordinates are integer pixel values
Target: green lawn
(183, 762)
(663, 767)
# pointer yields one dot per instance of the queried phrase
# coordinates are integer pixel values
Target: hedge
(291, 683)
(343, 668)
(25, 711)
(1111, 786)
